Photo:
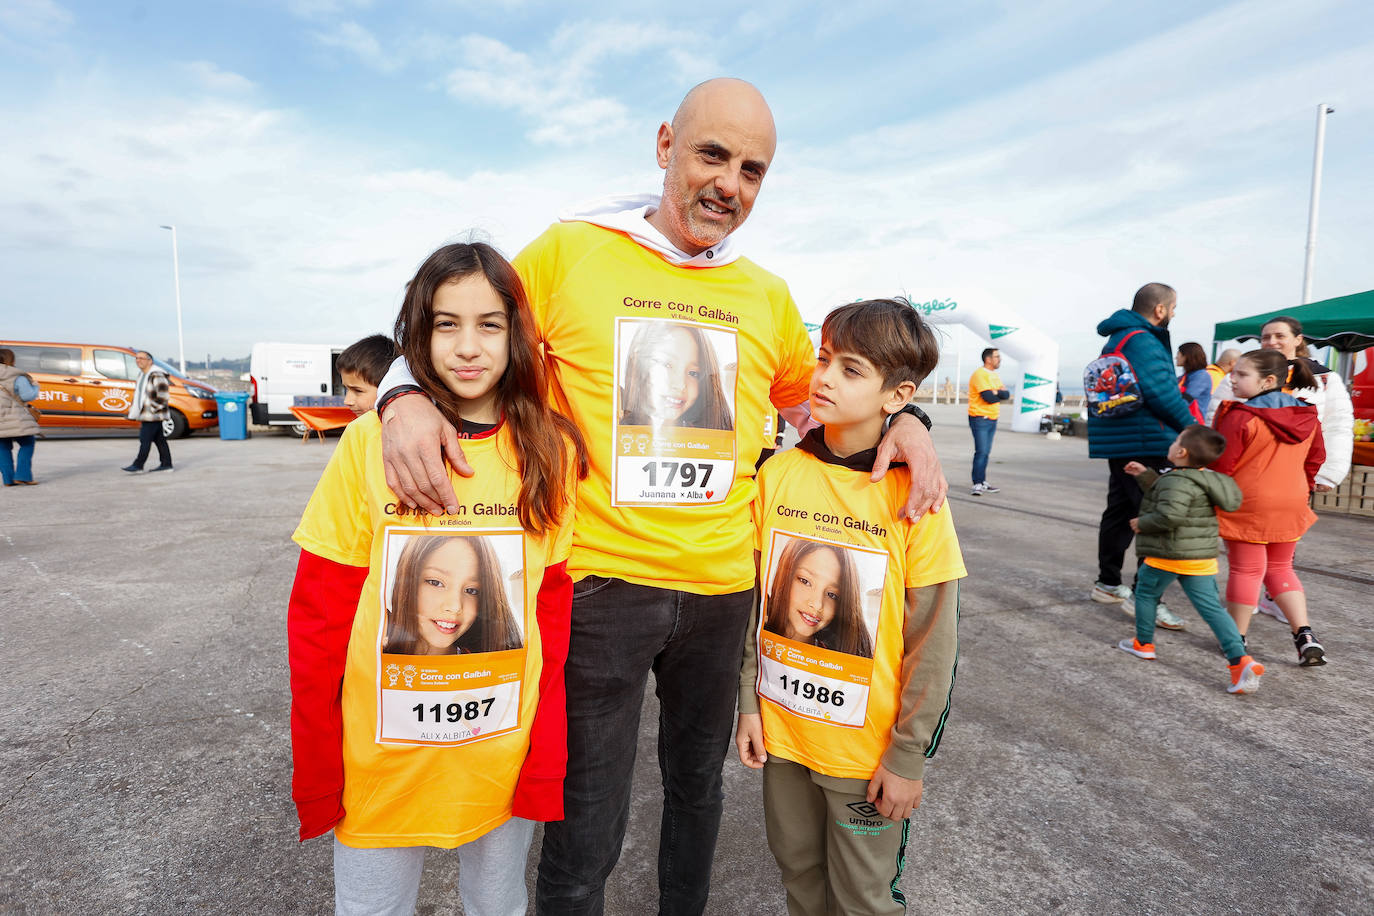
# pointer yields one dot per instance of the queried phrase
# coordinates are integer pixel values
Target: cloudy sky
(1046, 156)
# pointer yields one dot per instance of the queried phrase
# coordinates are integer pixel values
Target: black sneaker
(133, 469)
(161, 467)
(1310, 652)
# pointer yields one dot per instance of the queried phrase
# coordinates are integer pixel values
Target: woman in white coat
(1330, 397)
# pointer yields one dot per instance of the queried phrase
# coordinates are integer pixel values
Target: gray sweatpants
(386, 882)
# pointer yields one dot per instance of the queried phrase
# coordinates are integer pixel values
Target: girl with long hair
(1195, 383)
(815, 599)
(448, 598)
(672, 378)
(437, 749)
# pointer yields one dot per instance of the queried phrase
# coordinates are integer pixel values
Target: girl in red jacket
(1273, 450)
(426, 651)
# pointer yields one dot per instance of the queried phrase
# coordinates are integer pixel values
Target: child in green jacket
(1177, 535)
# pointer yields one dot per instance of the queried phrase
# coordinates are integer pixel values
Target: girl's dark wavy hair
(1194, 357)
(538, 431)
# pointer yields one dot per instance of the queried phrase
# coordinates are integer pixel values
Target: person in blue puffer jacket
(1144, 435)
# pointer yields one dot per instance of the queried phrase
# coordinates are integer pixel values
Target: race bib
(817, 630)
(674, 433)
(451, 644)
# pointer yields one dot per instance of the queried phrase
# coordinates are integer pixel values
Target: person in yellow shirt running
(985, 397)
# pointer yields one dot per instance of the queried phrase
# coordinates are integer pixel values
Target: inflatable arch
(1034, 351)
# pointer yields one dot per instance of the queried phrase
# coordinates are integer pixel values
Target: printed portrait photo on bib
(818, 624)
(451, 640)
(674, 429)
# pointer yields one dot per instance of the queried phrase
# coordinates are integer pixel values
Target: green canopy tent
(1346, 323)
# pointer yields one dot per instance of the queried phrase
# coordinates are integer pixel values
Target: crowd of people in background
(1281, 430)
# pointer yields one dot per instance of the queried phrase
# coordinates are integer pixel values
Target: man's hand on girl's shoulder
(415, 440)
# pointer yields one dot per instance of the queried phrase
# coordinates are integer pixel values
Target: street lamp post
(1322, 112)
(176, 282)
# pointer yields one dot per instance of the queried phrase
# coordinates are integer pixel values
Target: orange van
(91, 386)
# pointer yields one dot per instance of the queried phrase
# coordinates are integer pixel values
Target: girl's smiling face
(1246, 381)
(672, 370)
(815, 592)
(449, 594)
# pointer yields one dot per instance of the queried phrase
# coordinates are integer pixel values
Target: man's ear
(663, 147)
(899, 397)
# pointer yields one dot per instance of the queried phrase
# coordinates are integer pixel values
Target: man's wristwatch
(915, 411)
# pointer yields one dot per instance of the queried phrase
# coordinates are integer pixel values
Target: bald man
(672, 353)
(1220, 371)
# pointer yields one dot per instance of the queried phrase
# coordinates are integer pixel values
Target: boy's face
(360, 395)
(847, 389)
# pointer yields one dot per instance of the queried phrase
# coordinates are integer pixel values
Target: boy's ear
(899, 397)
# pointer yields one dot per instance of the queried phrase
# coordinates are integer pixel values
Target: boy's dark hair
(369, 357)
(889, 333)
(1203, 443)
(988, 352)
(1151, 295)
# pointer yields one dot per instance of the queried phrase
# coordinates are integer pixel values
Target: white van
(282, 372)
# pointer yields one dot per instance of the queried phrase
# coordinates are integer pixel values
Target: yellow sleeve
(536, 265)
(797, 360)
(932, 550)
(336, 523)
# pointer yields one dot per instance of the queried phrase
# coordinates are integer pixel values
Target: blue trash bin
(233, 414)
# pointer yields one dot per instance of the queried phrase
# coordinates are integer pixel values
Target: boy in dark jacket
(1177, 537)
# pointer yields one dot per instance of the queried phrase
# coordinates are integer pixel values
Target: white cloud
(212, 77)
(33, 17)
(555, 88)
(358, 41)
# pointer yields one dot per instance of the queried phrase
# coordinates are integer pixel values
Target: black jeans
(149, 434)
(1114, 535)
(692, 643)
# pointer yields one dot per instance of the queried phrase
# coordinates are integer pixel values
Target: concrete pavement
(146, 762)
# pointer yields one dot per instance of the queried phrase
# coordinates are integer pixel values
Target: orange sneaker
(1245, 675)
(1137, 648)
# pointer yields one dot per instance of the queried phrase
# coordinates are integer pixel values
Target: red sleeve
(539, 790)
(1316, 457)
(319, 620)
(1231, 424)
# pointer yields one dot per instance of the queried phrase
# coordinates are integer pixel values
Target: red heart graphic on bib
(477, 729)
(710, 493)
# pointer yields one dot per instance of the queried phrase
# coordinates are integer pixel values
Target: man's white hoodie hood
(629, 214)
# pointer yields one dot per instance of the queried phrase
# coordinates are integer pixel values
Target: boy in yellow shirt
(846, 677)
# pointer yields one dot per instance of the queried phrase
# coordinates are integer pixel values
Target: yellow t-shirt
(1206, 567)
(432, 744)
(825, 533)
(673, 375)
(983, 379)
